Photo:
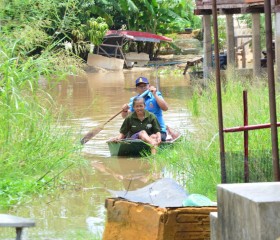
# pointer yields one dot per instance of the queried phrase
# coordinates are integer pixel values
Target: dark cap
(141, 80)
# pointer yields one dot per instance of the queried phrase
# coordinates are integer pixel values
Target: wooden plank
(192, 62)
(233, 7)
(244, 36)
(231, 2)
(243, 44)
(254, 1)
(195, 60)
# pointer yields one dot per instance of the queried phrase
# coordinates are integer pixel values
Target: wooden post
(277, 45)
(207, 46)
(230, 40)
(271, 87)
(219, 93)
(256, 44)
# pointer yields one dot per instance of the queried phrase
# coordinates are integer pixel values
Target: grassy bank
(35, 151)
(195, 162)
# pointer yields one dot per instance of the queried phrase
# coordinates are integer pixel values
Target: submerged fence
(260, 167)
(249, 165)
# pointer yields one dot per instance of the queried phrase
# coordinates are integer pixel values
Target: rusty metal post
(219, 93)
(246, 137)
(271, 85)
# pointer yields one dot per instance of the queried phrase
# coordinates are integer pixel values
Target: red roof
(139, 36)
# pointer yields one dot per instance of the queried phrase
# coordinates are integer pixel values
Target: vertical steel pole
(246, 137)
(219, 93)
(157, 80)
(271, 85)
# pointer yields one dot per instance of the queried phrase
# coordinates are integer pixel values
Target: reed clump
(195, 161)
(35, 150)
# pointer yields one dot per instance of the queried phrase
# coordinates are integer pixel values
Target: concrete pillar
(249, 211)
(207, 49)
(256, 44)
(230, 40)
(277, 45)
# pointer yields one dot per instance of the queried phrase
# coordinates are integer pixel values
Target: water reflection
(132, 173)
(91, 100)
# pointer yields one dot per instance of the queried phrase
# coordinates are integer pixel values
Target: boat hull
(135, 147)
(129, 148)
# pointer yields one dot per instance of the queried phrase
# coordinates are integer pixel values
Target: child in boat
(141, 124)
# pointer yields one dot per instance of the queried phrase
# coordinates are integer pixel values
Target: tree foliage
(38, 24)
(75, 24)
(156, 16)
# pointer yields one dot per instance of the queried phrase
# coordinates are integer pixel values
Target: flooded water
(91, 100)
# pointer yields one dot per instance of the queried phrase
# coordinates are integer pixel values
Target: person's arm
(118, 138)
(121, 136)
(125, 111)
(160, 101)
(123, 131)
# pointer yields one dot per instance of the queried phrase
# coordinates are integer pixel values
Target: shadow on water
(92, 100)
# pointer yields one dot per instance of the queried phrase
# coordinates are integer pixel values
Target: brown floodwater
(91, 100)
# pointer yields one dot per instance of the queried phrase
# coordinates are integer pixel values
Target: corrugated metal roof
(138, 36)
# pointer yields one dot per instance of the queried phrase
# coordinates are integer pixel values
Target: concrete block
(249, 211)
(100, 61)
(214, 226)
(137, 59)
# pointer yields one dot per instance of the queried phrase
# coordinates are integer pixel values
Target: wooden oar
(100, 127)
(96, 130)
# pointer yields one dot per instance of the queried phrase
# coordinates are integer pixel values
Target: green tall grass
(195, 162)
(35, 150)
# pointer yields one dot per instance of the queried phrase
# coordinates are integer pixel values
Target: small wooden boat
(137, 147)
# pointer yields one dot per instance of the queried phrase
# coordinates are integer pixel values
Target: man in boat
(141, 124)
(154, 103)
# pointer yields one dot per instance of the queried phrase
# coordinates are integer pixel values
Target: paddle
(100, 127)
